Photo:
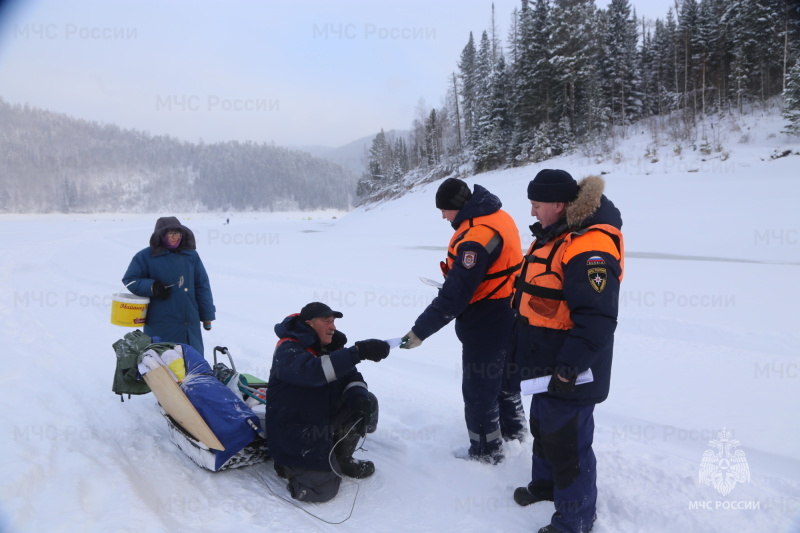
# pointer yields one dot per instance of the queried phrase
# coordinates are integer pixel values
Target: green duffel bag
(126, 376)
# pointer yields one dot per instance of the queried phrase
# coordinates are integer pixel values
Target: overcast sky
(293, 72)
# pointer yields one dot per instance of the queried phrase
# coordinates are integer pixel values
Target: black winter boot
(533, 493)
(356, 469)
(352, 467)
(490, 453)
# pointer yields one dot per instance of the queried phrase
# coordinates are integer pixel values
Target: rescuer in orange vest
(567, 297)
(483, 258)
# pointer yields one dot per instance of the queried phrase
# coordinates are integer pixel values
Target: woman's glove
(160, 290)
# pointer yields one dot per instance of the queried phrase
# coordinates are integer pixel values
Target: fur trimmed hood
(591, 206)
(165, 224)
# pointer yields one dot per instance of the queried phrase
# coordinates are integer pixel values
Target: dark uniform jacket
(567, 316)
(467, 270)
(308, 385)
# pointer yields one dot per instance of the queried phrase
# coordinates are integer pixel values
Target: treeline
(54, 163)
(570, 74)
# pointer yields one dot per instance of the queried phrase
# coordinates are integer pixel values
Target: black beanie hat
(452, 194)
(552, 186)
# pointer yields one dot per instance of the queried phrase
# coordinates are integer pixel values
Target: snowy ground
(707, 340)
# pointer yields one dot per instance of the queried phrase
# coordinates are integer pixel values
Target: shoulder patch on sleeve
(468, 259)
(597, 278)
(595, 260)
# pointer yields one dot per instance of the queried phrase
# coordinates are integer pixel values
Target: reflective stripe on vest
(490, 231)
(540, 287)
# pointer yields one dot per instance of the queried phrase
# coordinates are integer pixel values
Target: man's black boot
(349, 466)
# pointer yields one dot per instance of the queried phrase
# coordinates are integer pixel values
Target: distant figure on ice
(172, 275)
(484, 255)
(319, 406)
(567, 298)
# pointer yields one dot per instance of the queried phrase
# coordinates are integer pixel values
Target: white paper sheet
(432, 283)
(537, 385)
(394, 343)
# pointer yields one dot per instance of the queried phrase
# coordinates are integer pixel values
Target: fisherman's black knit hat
(452, 194)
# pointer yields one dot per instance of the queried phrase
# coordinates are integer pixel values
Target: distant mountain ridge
(353, 155)
(55, 163)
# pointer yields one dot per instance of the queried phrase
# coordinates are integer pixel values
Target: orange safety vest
(490, 231)
(541, 283)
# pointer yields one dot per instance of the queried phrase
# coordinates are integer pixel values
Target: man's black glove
(160, 290)
(362, 413)
(373, 349)
(556, 386)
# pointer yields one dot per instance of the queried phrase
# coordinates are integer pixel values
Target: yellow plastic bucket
(128, 310)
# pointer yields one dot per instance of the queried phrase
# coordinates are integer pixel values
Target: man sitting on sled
(319, 406)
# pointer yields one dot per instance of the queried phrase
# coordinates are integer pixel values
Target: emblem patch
(597, 278)
(468, 259)
(596, 260)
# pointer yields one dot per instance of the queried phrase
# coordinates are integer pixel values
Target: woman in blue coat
(172, 275)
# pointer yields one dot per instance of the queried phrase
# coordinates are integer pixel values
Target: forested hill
(54, 163)
(574, 77)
